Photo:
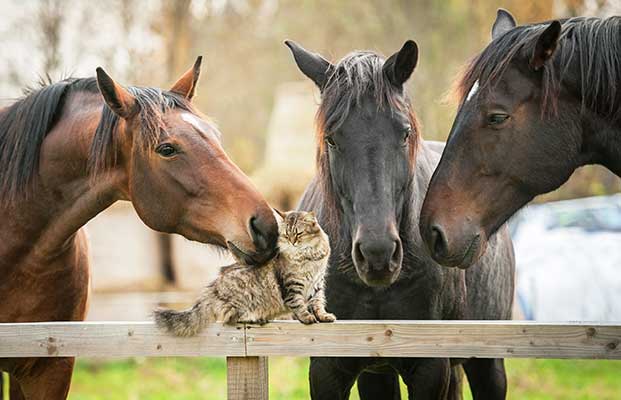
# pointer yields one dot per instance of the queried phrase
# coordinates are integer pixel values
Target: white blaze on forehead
(473, 90)
(200, 125)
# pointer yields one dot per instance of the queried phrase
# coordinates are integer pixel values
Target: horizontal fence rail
(486, 339)
(115, 339)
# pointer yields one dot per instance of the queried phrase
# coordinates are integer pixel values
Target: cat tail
(182, 323)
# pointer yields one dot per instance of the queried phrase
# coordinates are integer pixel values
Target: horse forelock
(152, 104)
(358, 76)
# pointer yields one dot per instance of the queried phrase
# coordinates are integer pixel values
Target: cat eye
(497, 118)
(166, 150)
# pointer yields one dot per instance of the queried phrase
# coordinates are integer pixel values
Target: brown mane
(152, 103)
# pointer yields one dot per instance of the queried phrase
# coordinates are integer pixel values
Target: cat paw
(326, 317)
(255, 322)
(306, 318)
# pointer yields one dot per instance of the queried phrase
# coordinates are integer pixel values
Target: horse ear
(546, 44)
(314, 66)
(119, 99)
(504, 23)
(186, 85)
(399, 67)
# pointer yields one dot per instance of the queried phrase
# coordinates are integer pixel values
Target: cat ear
(278, 212)
(310, 217)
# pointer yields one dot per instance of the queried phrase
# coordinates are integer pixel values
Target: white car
(568, 256)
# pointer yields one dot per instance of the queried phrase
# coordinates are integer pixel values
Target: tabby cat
(292, 282)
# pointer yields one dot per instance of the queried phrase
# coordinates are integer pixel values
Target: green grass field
(205, 378)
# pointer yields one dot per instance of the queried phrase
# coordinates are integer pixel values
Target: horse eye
(497, 119)
(406, 133)
(166, 150)
(330, 141)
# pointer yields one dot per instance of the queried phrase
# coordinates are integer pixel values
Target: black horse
(539, 101)
(373, 170)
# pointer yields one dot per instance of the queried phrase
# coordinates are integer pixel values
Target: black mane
(25, 124)
(589, 48)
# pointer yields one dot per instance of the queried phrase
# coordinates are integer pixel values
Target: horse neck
(601, 142)
(600, 133)
(65, 198)
(425, 163)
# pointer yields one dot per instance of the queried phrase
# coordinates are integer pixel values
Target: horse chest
(402, 300)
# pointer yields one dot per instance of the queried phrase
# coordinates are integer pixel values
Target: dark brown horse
(539, 101)
(71, 149)
(373, 170)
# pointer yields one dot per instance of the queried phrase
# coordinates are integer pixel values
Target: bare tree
(177, 17)
(50, 19)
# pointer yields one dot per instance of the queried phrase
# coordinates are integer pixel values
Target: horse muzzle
(377, 257)
(455, 244)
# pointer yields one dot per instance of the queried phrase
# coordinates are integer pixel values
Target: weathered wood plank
(343, 338)
(114, 339)
(247, 378)
(487, 339)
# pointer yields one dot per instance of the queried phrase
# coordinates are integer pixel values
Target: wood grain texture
(247, 378)
(114, 339)
(485, 339)
(504, 339)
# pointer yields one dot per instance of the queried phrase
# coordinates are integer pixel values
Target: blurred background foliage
(151, 42)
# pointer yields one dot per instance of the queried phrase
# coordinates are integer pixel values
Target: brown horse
(71, 149)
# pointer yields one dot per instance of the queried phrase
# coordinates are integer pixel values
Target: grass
(205, 378)
(4, 379)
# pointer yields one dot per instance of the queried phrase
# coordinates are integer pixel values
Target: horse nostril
(377, 255)
(259, 232)
(439, 246)
(358, 256)
(396, 254)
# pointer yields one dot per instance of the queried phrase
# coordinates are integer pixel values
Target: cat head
(298, 228)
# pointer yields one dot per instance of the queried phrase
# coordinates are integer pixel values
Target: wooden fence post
(247, 378)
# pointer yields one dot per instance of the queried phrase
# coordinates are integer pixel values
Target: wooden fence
(247, 346)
